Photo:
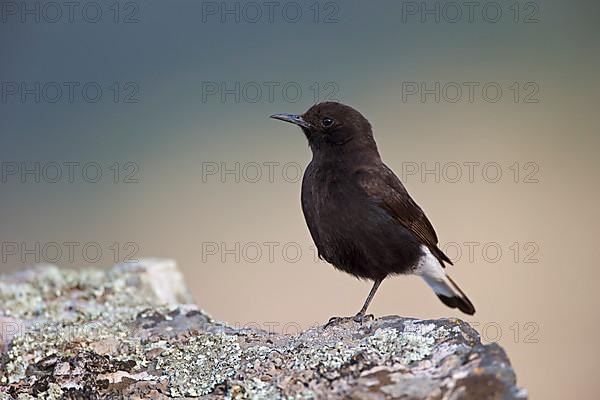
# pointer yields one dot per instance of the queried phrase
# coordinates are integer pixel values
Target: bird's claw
(333, 320)
(337, 320)
(359, 318)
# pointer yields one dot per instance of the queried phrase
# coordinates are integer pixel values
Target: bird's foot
(333, 321)
(360, 318)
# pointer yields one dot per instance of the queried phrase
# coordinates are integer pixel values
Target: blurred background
(136, 129)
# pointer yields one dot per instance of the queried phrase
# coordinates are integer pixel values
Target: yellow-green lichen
(403, 347)
(196, 366)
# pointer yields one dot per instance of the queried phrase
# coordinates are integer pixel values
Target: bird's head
(332, 126)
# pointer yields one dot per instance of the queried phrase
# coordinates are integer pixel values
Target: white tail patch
(429, 267)
(439, 286)
(431, 270)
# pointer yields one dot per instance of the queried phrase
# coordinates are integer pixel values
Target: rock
(134, 332)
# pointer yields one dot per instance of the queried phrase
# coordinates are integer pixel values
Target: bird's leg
(361, 316)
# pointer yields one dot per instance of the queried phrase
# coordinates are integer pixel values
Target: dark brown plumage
(360, 216)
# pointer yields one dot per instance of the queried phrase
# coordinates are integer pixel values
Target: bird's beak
(293, 118)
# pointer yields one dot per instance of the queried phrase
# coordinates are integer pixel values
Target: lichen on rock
(197, 365)
(133, 332)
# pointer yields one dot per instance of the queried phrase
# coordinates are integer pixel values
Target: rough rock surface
(134, 332)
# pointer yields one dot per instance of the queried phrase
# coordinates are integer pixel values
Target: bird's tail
(449, 292)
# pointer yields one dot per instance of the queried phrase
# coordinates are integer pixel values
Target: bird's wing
(384, 187)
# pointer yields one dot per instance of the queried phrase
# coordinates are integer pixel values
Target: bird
(359, 214)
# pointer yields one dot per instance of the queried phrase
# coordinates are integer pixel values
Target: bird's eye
(327, 122)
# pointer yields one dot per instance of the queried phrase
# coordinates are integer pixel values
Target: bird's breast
(326, 191)
(333, 208)
(350, 230)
